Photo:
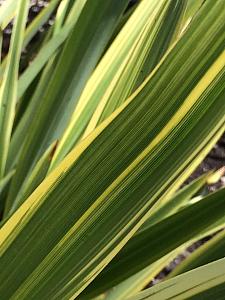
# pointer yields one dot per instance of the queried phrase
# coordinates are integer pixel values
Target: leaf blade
(8, 94)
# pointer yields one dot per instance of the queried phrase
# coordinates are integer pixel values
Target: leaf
(39, 20)
(50, 48)
(121, 68)
(7, 12)
(77, 61)
(8, 92)
(140, 280)
(161, 31)
(37, 175)
(193, 6)
(137, 282)
(127, 14)
(210, 251)
(32, 28)
(61, 15)
(207, 282)
(5, 180)
(165, 209)
(159, 240)
(40, 86)
(18, 134)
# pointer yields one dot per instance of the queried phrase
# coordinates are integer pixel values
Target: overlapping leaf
(207, 282)
(176, 117)
(212, 250)
(9, 87)
(159, 240)
(96, 21)
(124, 67)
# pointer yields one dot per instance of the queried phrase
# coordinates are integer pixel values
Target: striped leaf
(123, 67)
(77, 61)
(207, 282)
(104, 190)
(8, 92)
(159, 240)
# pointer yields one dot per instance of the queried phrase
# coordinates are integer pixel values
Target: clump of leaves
(97, 134)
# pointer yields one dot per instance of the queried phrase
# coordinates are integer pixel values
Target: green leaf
(210, 251)
(38, 173)
(40, 86)
(123, 21)
(207, 282)
(5, 180)
(33, 27)
(141, 279)
(165, 209)
(193, 6)
(50, 48)
(147, 53)
(165, 36)
(7, 12)
(151, 26)
(8, 92)
(18, 134)
(158, 240)
(77, 61)
(61, 15)
(39, 20)
(137, 282)
(4, 183)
